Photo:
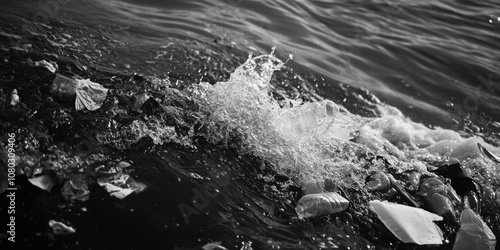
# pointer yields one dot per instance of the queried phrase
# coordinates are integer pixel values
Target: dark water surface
(435, 61)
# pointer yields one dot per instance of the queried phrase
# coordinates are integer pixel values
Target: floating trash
(473, 234)
(14, 98)
(60, 228)
(213, 246)
(49, 66)
(378, 181)
(44, 182)
(463, 184)
(76, 188)
(89, 95)
(312, 205)
(488, 153)
(117, 182)
(409, 224)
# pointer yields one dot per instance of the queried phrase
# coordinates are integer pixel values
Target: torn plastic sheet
(409, 224)
(44, 182)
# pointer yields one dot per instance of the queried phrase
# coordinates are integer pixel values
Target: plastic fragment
(409, 224)
(60, 228)
(49, 66)
(402, 192)
(378, 181)
(117, 182)
(473, 234)
(76, 189)
(89, 95)
(14, 98)
(44, 182)
(312, 205)
(116, 191)
(321, 119)
(63, 86)
(441, 205)
(488, 153)
(214, 246)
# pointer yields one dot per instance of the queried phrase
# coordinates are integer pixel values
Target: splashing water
(296, 137)
(321, 139)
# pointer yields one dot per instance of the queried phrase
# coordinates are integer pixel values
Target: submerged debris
(14, 98)
(60, 228)
(117, 182)
(214, 246)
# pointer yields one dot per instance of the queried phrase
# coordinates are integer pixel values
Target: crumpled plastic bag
(409, 224)
(474, 234)
(89, 95)
(49, 66)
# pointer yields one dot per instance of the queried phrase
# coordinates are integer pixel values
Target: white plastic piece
(409, 224)
(473, 234)
(60, 228)
(44, 182)
(49, 66)
(116, 191)
(89, 95)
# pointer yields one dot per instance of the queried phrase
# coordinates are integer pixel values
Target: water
(419, 81)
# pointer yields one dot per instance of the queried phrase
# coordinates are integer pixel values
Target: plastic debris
(117, 182)
(442, 206)
(323, 119)
(60, 228)
(402, 192)
(312, 205)
(462, 182)
(116, 191)
(473, 234)
(44, 182)
(49, 66)
(89, 95)
(213, 246)
(64, 86)
(123, 164)
(77, 188)
(488, 153)
(439, 198)
(14, 98)
(409, 224)
(378, 181)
